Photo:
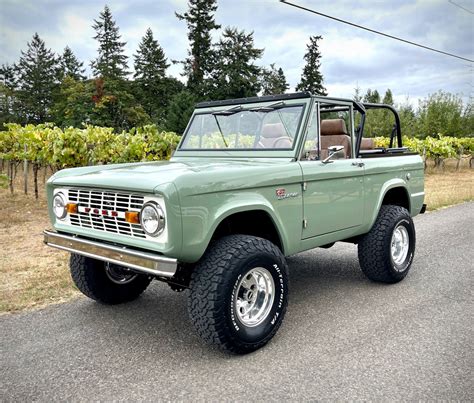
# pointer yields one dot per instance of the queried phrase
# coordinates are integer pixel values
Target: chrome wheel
(118, 274)
(254, 296)
(400, 245)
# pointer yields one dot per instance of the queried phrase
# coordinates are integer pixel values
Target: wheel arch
(393, 192)
(256, 222)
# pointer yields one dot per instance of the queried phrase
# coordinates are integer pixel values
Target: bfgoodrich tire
(108, 284)
(239, 293)
(386, 252)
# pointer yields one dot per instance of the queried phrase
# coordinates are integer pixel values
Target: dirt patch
(33, 275)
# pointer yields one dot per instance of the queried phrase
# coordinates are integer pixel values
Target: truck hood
(185, 173)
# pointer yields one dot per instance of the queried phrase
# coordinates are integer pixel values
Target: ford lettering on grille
(105, 211)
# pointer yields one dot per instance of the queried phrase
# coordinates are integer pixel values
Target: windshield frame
(248, 152)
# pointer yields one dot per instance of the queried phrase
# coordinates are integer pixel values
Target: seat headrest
(273, 130)
(333, 127)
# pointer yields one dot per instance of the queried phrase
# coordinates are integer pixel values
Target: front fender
(201, 218)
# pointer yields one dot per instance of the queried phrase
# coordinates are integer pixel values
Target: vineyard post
(10, 175)
(424, 158)
(460, 154)
(35, 173)
(25, 170)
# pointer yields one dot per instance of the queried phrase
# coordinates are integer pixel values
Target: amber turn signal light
(71, 208)
(132, 217)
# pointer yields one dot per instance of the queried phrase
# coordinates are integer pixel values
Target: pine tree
(111, 62)
(312, 79)
(8, 85)
(150, 74)
(201, 59)
(37, 80)
(273, 81)
(180, 110)
(71, 66)
(236, 75)
(372, 96)
(388, 97)
(357, 94)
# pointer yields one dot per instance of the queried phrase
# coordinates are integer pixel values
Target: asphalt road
(344, 337)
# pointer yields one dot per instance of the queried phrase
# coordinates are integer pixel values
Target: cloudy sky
(351, 57)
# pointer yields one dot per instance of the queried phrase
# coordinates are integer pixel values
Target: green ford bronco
(253, 180)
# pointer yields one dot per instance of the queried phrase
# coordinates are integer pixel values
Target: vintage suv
(253, 180)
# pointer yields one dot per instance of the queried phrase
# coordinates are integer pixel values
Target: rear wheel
(239, 293)
(106, 282)
(386, 252)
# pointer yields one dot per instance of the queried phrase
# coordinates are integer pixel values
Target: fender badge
(281, 194)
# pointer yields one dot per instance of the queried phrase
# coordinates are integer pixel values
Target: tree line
(45, 87)
(439, 114)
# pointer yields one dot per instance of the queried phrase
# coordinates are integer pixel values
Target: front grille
(112, 201)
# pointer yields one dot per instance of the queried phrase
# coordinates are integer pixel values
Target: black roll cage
(362, 109)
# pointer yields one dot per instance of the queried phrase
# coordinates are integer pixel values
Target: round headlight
(59, 206)
(152, 218)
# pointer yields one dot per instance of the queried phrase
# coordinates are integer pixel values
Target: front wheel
(106, 282)
(239, 293)
(386, 252)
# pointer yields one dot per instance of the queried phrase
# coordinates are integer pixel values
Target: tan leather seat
(273, 135)
(334, 133)
(367, 144)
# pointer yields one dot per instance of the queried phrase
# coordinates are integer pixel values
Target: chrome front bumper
(143, 262)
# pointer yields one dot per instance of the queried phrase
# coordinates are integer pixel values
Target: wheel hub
(254, 296)
(118, 274)
(400, 245)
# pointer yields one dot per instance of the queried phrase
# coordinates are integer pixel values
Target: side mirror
(333, 152)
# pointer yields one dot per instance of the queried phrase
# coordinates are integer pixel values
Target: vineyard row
(48, 146)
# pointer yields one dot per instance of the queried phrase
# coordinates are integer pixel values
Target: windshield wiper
(268, 108)
(220, 131)
(230, 111)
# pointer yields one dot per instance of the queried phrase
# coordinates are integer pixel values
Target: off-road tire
(213, 286)
(90, 278)
(374, 248)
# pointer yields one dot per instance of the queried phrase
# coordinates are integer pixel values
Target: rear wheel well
(256, 222)
(397, 196)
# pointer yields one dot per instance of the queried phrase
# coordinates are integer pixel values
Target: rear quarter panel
(385, 173)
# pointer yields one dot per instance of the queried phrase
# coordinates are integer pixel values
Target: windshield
(266, 127)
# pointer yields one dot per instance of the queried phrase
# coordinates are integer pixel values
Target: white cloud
(349, 56)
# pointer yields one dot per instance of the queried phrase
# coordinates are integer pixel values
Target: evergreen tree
(201, 58)
(236, 75)
(150, 70)
(407, 118)
(74, 104)
(111, 62)
(37, 79)
(180, 110)
(7, 94)
(312, 79)
(273, 81)
(71, 66)
(372, 97)
(388, 97)
(357, 94)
